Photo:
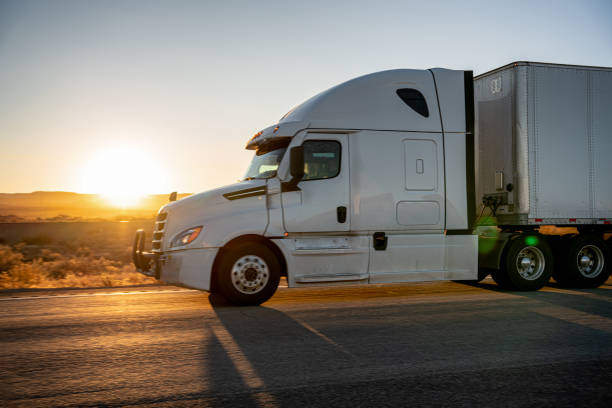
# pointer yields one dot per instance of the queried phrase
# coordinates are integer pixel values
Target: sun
(122, 175)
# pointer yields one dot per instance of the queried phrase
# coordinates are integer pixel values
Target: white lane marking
(242, 365)
(576, 292)
(324, 337)
(577, 317)
(101, 294)
(562, 290)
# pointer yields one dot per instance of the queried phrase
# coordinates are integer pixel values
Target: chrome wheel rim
(530, 263)
(590, 261)
(250, 274)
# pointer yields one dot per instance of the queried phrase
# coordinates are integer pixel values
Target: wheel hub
(250, 274)
(530, 263)
(585, 261)
(526, 263)
(590, 261)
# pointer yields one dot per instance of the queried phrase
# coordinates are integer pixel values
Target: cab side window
(321, 159)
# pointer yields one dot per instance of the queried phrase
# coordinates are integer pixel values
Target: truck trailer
(409, 175)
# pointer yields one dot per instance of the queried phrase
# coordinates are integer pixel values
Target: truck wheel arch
(254, 238)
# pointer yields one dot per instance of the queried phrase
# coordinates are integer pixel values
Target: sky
(160, 96)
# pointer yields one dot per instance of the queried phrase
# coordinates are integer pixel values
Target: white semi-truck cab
(371, 181)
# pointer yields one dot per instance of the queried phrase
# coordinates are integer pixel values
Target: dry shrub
(52, 269)
(23, 275)
(9, 258)
(88, 271)
(49, 255)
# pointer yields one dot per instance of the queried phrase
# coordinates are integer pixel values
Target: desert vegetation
(63, 239)
(93, 258)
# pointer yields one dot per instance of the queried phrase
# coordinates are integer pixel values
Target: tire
(586, 263)
(248, 274)
(527, 263)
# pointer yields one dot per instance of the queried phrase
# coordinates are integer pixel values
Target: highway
(420, 344)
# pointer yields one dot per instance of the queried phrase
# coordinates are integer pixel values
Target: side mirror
(297, 163)
(172, 196)
(296, 169)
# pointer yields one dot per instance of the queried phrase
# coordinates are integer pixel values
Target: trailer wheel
(587, 263)
(248, 274)
(527, 262)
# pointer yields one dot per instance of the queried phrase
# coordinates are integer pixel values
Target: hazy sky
(182, 85)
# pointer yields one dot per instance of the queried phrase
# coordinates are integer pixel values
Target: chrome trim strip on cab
(248, 192)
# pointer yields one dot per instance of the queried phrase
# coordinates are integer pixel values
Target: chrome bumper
(146, 263)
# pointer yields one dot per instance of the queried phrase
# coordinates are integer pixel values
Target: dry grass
(54, 270)
(51, 260)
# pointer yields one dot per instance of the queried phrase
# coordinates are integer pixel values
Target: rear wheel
(587, 263)
(248, 274)
(527, 263)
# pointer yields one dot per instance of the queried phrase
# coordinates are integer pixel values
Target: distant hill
(66, 206)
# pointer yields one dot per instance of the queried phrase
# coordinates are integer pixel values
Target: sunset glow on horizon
(123, 175)
(119, 99)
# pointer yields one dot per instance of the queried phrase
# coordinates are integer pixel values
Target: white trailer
(544, 157)
(381, 179)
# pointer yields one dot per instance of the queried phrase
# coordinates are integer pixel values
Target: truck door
(397, 186)
(322, 202)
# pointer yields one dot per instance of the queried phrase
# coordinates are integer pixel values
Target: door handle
(379, 241)
(419, 166)
(341, 214)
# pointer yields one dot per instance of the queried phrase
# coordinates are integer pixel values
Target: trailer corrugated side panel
(558, 123)
(601, 131)
(546, 131)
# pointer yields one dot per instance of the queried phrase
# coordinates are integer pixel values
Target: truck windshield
(265, 163)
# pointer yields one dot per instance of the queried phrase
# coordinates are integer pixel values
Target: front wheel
(527, 263)
(248, 274)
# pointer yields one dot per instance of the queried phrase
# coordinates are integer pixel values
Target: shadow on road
(404, 354)
(265, 348)
(592, 301)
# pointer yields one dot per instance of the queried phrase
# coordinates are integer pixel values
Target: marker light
(186, 237)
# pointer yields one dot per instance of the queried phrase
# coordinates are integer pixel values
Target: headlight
(185, 237)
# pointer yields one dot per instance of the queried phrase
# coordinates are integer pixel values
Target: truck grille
(158, 234)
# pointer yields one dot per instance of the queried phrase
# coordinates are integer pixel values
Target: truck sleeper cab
(371, 181)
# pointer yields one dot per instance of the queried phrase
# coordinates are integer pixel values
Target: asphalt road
(422, 344)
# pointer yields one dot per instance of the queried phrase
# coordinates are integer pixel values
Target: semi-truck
(409, 175)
